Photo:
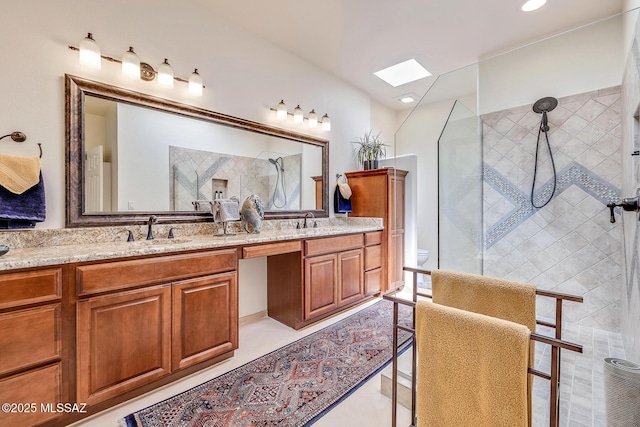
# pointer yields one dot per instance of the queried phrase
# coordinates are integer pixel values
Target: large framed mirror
(131, 155)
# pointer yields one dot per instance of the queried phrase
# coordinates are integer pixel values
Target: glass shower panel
(460, 192)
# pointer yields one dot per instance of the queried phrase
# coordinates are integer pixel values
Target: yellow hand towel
(490, 296)
(18, 174)
(505, 299)
(345, 190)
(472, 369)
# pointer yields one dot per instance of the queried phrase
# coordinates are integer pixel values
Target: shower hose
(544, 129)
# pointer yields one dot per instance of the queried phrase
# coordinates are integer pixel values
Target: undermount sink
(160, 242)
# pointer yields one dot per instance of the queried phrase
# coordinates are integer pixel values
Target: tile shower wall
(568, 245)
(196, 174)
(630, 310)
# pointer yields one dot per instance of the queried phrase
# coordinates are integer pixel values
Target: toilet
(423, 256)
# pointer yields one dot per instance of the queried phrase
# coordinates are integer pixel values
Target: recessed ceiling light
(530, 5)
(408, 98)
(404, 72)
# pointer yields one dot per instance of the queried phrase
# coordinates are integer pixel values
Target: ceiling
(352, 39)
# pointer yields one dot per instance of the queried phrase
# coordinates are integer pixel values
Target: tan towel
(18, 174)
(472, 369)
(345, 190)
(490, 296)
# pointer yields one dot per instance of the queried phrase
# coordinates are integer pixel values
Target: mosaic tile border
(573, 174)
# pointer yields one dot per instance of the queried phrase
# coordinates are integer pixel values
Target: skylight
(404, 72)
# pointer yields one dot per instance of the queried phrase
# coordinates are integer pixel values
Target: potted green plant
(369, 149)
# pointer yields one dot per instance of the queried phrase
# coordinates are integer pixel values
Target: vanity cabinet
(182, 311)
(334, 274)
(381, 193)
(30, 344)
(123, 342)
(205, 318)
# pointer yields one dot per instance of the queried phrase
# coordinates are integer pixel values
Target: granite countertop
(80, 250)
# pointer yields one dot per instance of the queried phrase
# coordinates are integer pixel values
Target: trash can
(622, 392)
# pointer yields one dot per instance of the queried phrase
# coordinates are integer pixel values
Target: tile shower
(197, 175)
(569, 245)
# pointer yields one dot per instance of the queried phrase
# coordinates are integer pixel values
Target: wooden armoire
(380, 193)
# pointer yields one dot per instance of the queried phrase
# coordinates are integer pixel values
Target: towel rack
(556, 344)
(20, 137)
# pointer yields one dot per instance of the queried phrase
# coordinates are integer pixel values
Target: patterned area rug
(292, 386)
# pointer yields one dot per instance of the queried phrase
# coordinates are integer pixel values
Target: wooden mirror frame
(76, 88)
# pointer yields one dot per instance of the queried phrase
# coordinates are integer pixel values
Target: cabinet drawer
(372, 281)
(29, 337)
(373, 238)
(271, 249)
(122, 274)
(372, 257)
(30, 287)
(333, 244)
(39, 386)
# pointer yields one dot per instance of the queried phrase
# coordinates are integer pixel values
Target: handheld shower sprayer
(279, 165)
(543, 106)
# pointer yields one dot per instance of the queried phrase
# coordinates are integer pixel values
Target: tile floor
(582, 395)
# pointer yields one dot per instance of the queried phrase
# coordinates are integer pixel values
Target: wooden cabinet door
(350, 276)
(320, 285)
(124, 341)
(205, 318)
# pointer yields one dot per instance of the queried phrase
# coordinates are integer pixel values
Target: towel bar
(556, 344)
(20, 137)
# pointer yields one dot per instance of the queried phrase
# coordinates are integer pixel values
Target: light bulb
(326, 123)
(298, 115)
(195, 83)
(131, 64)
(281, 111)
(313, 119)
(90, 52)
(165, 74)
(533, 5)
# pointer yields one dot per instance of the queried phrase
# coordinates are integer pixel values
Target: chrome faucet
(152, 220)
(307, 215)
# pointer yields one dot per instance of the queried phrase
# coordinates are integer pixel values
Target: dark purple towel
(22, 210)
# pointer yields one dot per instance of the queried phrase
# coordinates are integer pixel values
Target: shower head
(276, 164)
(543, 105)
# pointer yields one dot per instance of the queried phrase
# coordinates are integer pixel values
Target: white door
(93, 180)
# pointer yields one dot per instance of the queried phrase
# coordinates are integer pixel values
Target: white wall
(579, 61)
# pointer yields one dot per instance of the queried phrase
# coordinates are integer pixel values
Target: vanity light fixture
(281, 110)
(131, 64)
(313, 119)
(326, 123)
(90, 56)
(165, 74)
(298, 116)
(195, 83)
(90, 52)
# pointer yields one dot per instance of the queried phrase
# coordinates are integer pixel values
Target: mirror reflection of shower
(279, 198)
